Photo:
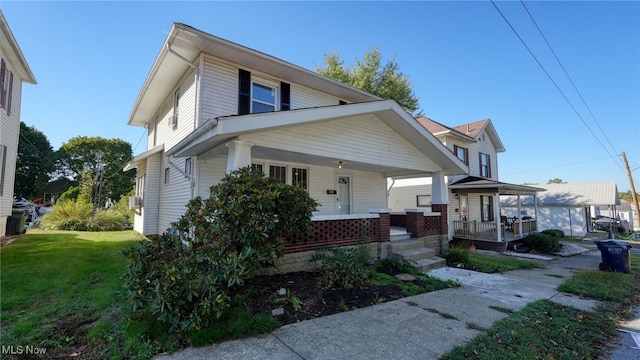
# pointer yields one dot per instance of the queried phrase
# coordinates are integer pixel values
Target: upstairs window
(256, 95)
(263, 98)
(485, 165)
(166, 176)
(187, 166)
(461, 153)
(3, 83)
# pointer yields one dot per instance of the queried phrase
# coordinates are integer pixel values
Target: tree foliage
(556, 181)
(34, 164)
(184, 276)
(385, 81)
(103, 159)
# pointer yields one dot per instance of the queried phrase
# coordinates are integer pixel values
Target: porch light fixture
(339, 164)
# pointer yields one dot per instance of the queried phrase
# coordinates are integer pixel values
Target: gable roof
(183, 46)
(468, 132)
(585, 194)
(13, 53)
(216, 132)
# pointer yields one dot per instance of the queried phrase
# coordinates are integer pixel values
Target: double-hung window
(461, 153)
(486, 208)
(278, 172)
(263, 97)
(299, 177)
(485, 165)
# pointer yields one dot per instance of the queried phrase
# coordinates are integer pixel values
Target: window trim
(465, 153)
(486, 217)
(420, 203)
(484, 167)
(275, 89)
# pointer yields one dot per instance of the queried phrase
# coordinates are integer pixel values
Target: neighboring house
(14, 70)
(212, 106)
(474, 211)
(625, 213)
(567, 207)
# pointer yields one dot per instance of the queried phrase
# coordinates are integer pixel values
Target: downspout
(170, 159)
(192, 182)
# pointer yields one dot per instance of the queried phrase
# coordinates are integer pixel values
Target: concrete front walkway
(419, 327)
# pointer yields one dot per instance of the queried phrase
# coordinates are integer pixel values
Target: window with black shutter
(244, 92)
(285, 96)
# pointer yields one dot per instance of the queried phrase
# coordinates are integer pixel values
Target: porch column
(239, 154)
(519, 216)
(535, 211)
(415, 222)
(439, 189)
(384, 225)
(496, 215)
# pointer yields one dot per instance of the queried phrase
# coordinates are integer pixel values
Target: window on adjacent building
(423, 200)
(187, 166)
(461, 153)
(278, 172)
(485, 165)
(3, 83)
(299, 178)
(3, 163)
(166, 176)
(486, 208)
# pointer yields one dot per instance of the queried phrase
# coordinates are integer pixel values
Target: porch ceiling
(277, 155)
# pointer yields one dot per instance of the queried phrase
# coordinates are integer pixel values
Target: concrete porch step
(416, 253)
(410, 243)
(400, 237)
(434, 262)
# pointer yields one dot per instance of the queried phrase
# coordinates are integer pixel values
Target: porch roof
(473, 184)
(216, 132)
(138, 159)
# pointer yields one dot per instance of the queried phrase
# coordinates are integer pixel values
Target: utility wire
(553, 82)
(568, 77)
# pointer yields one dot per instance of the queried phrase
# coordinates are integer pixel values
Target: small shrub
(343, 267)
(458, 255)
(543, 242)
(394, 265)
(558, 234)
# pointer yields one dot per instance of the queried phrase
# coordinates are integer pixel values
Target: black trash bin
(615, 256)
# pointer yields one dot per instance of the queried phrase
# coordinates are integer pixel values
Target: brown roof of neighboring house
(472, 129)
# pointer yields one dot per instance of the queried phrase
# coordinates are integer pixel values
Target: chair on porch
(507, 223)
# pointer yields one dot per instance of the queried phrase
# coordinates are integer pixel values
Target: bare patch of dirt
(302, 296)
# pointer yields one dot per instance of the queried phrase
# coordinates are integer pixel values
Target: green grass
(541, 330)
(546, 330)
(493, 264)
(423, 284)
(58, 286)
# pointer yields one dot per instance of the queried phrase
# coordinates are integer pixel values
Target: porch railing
(528, 227)
(475, 230)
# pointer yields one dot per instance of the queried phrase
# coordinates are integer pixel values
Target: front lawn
(57, 287)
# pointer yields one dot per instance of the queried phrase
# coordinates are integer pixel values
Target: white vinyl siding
(9, 137)
(174, 196)
(219, 90)
(359, 139)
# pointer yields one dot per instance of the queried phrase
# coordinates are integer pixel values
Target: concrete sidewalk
(419, 327)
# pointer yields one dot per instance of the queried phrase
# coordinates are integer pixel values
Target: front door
(344, 194)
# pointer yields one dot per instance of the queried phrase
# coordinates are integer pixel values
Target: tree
(369, 75)
(34, 164)
(100, 161)
(556, 181)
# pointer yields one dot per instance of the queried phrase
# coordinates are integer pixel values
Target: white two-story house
(474, 211)
(212, 106)
(14, 70)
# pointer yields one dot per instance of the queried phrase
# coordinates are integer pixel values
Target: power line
(554, 82)
(568, 77)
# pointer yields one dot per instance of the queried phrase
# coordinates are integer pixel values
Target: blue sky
(465, 63)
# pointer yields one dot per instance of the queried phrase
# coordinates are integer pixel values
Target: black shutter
(244, 92)
(285, 96)
(342, 102)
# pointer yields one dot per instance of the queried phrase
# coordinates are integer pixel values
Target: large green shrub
(184, 276)
(68, 215)
(556, 233)
(543, 242)
(458, 255)
(72, 194)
